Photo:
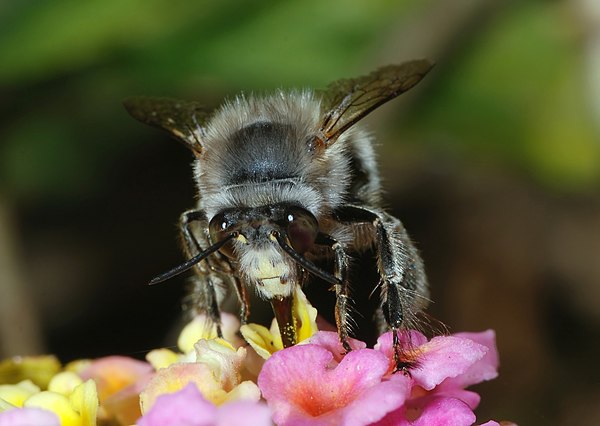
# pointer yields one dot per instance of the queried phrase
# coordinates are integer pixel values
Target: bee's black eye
(302, 229)
(220, 227)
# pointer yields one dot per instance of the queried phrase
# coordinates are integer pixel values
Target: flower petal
(331, 341)
(113, 373)
(58, 404)
(64, 383)
(84, 399)
(304, 385)
(261, 339)
(243, 413)
(162, 358)
(39, 369)
(201, 327)
(28, 416)
(440, 358)
(484, 369)
(17, 394)
(222, 359)
(187, 407)
(440, 411)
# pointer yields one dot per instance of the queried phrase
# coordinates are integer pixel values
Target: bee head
(267, 243)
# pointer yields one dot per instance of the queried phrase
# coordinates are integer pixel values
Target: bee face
(283, 179)
(256, 249)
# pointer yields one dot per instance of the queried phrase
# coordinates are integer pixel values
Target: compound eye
(221, 227)
(302, 229)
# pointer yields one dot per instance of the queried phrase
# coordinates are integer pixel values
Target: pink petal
(430, 411)
(331, 341)
(440, 411)
(438, 359)
(28, 416)
(484, 369)
(468, 397)
(113, 373)
(186, 407)
(243, 413)
(304, 385)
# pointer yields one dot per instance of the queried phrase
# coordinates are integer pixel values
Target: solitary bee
(285, 181)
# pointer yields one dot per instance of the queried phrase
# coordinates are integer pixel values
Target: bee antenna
(304, 262)
(193, 261)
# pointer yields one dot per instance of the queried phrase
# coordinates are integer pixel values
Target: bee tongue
(282, 307)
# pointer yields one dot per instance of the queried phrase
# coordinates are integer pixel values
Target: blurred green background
(493, 164)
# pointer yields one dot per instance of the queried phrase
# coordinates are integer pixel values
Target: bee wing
(182, 119)
(347, 101)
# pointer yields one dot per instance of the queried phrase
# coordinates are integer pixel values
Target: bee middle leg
(404, 287)
(342, 297)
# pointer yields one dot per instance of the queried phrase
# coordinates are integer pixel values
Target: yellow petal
(64, 383)
(84, 399)
(245, 391)
(78, 365)
(58, 404)
(38, 369)
(305, 315)
(176, 377)
(201, 327)
(261, 339)
(161, 358)
(17, 394)
(223, 361)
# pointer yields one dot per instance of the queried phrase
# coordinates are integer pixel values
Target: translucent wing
(347, 101)
(182, 119)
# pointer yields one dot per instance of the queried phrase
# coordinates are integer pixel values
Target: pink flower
(188, 407)
(304, 385)
(441, 358)
(318, 384)
(28, 416)
(435, 411)
(120, 380)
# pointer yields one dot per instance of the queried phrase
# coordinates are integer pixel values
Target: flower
(216, 373)
(267, 341)
(120, 380)
(28, 416)
(360, 388)
(223, 381)
(187, 407)
(350, 392)
(68, 399)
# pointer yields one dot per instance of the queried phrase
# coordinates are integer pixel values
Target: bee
(283, 181)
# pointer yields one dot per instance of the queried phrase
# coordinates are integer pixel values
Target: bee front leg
(211, 273)
(404, 287)
(341, 290)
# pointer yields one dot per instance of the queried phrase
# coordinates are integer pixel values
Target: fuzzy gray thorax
(263, 157)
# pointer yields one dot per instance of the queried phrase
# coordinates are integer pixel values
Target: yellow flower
(38, 369)
(15, 395)
(76, 408)
(267, 341)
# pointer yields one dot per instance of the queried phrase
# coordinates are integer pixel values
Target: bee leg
(208, 298)
(243, 297)
(403, 283)
(341, 290)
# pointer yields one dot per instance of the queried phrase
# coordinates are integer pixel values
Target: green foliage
(513, 92)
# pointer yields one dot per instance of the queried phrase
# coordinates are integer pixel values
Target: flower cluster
(225, 381)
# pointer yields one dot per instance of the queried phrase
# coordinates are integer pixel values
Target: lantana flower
(360, 388)
(213, 365)
(68, 401)
(268, 341)
(223, 381)
(188, 407)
